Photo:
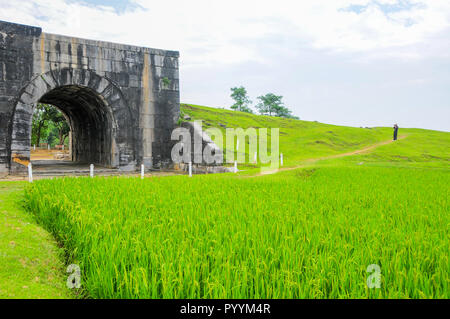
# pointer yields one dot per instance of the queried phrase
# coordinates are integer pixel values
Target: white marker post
(30, 173)
(237, 145)
(281, 159)
(190, 169)
(34, 147)
(235, 167)
(142, 171)
(91, 170)
(48, 147)
(255, 160)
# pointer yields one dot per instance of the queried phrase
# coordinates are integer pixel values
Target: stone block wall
(122, 100)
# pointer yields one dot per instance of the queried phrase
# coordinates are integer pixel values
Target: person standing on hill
(395, 132)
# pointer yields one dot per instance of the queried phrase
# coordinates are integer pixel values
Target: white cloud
(221, 28)
(332, 60)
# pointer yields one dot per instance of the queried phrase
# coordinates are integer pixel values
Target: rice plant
(297, 234)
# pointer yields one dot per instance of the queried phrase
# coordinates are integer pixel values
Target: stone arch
(98, 114)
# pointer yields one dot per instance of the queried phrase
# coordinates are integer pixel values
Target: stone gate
(121, 101)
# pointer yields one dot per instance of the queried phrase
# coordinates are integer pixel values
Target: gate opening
(70, 128)
(50, 135)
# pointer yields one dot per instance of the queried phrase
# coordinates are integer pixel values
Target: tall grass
(298, 234)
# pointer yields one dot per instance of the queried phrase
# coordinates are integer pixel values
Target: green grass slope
(420, 148)
(300, 140)
(30, 263)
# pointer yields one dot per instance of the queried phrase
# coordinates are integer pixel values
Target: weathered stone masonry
(122, 101)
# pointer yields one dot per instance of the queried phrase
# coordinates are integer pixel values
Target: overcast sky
(349, 62)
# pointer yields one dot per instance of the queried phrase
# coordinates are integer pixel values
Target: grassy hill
(302, 140)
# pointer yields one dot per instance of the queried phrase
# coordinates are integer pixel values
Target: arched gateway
(97, 112)
(121, 102)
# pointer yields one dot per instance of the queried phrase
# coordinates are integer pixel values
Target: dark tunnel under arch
(90, 122)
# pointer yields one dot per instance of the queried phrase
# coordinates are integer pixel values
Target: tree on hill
(269, 104)
(242, 101)
(272, 105)
(283, 111)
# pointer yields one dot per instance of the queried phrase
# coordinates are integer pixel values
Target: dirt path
(40, 154)
(314, 160)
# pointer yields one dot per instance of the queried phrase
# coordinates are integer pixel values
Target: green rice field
(306, 233)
